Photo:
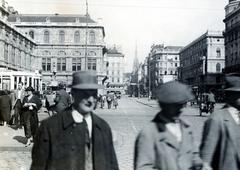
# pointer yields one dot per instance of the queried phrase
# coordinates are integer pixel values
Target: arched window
(31, 34)
(218, 67)
(92, 37)
(77, 37)
(61, 36)
(46, 37)
(218, 51)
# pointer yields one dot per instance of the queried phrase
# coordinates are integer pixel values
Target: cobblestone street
(126, 122)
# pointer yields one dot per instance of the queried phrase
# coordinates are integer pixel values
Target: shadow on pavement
(20, 139)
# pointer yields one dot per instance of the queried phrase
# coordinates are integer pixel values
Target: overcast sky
(141, 22)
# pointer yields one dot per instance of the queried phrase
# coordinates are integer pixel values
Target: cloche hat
(233, 82)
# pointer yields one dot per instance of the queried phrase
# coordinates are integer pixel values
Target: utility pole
(149, 79)
(86, 39)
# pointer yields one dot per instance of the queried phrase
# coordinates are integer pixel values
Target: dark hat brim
(86, 86)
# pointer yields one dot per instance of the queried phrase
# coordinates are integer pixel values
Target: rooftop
(68, 18)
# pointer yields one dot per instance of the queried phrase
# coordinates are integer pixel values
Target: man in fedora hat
(76, 138)
(167, 142)
(220, 147)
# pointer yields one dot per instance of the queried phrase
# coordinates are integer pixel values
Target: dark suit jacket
(62, 101)
(58, 146)
(221, 143)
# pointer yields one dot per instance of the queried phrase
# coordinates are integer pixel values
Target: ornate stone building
(115, 70)
(17, 53)
(202, 61)
(232, 37)
(163, 63)
(65, 43)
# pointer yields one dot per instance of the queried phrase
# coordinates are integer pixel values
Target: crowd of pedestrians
(111, 99)
(76, 138)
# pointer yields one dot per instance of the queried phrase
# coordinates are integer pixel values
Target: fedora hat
(174, 92)
(85, 80)
(233, 82)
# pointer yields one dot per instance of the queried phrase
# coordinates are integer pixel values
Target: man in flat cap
(76, 139)
(220, 148)
(167, 143)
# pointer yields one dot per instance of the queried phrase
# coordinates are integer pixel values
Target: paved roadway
(126, 122)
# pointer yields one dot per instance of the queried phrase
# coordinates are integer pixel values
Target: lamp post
(149, 79)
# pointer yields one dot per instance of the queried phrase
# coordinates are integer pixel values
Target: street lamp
(149, 79)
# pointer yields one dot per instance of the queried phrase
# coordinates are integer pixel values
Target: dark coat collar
(68, 120)
(161, 121)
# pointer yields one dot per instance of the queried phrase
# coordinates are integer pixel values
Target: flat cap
(174, 92)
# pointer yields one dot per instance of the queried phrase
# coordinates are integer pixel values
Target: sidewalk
(14, 140)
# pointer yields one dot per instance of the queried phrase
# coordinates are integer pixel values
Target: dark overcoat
(5, 107)
(221, 141)
(157, 149)
(62, 101)
(58, 146)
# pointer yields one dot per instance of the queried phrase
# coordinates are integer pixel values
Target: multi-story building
(115, 70)
(18, 59)
(232, 37)
(162, 64)
(65, 44)
(202, 61)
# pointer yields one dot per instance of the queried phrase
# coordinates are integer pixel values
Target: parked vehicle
(205, 105)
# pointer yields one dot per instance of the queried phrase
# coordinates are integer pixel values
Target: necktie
(86, 131)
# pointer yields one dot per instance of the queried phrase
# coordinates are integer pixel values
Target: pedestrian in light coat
(220, 148)
(76, 139)
(167, 143)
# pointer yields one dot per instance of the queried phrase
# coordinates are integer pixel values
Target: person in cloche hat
(76, 138)
(167, 141)
(31, 104)
(220, 147)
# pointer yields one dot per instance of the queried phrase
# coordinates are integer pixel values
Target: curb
(144, 103)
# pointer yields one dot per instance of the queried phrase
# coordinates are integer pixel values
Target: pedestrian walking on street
(109, 101)
(76, 138)
(115, 101)
(220, 147)
(5, 107)
(166, 143)
(31, 105)
(19, 94)
(62, 100)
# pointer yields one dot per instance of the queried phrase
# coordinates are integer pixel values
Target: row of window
(61, 64)
(62, 35)
(113, 72)
(15, 56)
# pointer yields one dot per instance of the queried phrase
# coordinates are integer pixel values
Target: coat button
(71, 133)
(74, 125)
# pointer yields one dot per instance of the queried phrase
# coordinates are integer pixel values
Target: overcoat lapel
(169, 139)
(231, 129)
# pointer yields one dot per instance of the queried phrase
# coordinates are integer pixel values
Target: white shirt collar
(78, 118)
(234, 113)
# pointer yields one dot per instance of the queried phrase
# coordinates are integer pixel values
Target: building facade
(115, 70)
(202, 61)
(17, 53)
(65, 44)
(232, 37)
(163, 62)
